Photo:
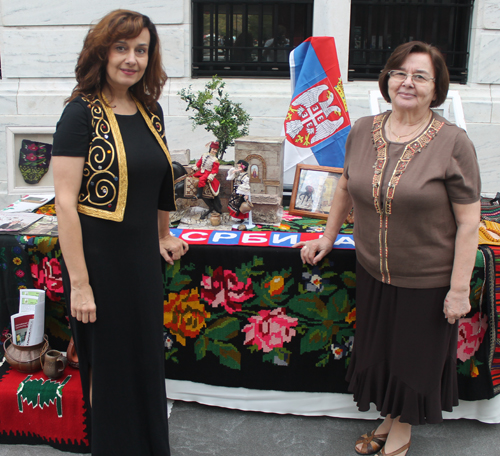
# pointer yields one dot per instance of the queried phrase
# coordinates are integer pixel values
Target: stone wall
(40, 42)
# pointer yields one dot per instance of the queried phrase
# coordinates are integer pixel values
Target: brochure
(15, 222)
(29, 203)
(46, 226)
(32, 302)
(20, 323)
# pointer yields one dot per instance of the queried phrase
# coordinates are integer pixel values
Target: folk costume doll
(206, 170)
(241, 189)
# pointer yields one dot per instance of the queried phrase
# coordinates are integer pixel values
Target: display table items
(240, 310)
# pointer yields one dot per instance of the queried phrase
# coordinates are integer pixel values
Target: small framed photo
(313, 189)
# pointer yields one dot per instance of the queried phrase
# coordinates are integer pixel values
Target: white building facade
(40, 42)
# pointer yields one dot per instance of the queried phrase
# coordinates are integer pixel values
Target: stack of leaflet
(29, 324)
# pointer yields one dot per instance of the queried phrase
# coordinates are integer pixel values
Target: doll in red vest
(206, 169)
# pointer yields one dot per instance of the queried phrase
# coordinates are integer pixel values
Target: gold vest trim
(118, 153)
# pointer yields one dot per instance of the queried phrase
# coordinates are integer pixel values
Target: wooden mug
(54, 363)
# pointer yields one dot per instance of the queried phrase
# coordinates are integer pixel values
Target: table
(253, 328)
(221, 348)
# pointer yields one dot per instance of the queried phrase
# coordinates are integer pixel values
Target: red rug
(35, 410)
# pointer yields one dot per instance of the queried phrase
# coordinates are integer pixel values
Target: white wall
(40, 41)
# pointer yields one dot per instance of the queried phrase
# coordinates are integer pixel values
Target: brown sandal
(371, 443)
(395, 453)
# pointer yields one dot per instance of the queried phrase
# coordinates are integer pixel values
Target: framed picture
(16, 183)
(313, 189)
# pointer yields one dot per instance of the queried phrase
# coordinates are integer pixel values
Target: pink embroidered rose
(31, 157)
(288, 217)
(33, 147)
(224, 288)
(47, 276)
(471, 333)
(270, 329)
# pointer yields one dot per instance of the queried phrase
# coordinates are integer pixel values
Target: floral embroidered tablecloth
(257, 317)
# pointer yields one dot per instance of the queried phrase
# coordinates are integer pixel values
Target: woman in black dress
(114, 189)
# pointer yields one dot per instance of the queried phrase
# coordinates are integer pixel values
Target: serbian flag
(317, 122)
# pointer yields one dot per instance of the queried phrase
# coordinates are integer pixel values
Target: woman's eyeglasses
(418, 78)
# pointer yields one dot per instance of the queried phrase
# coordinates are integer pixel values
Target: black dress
(124, 347)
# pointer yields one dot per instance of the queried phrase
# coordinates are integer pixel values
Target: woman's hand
(83, 306)
(456, 305)
(172, 248)
(314, 251)
(457, 302)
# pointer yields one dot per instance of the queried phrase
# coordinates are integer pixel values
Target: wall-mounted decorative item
(21, 155)
(34, 160)
(313, 189)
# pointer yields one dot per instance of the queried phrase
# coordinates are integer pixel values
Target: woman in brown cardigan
(413, 180)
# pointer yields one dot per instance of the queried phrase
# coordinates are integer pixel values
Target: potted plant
(214, 110)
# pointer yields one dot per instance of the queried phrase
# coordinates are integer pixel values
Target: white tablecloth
(308, 404)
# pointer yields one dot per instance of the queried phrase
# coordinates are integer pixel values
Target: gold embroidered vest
(103, 193)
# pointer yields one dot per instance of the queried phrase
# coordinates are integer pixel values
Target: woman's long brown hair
(90, 69)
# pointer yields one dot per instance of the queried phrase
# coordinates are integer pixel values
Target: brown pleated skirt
(405, 351)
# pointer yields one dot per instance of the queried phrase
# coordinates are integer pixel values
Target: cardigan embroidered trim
(409, 152)
(103, 193)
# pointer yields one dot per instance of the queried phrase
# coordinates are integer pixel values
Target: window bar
(211, 31)
(260, 39)
(368, 39)
(420, 14)
(403, 24)
(244, 30)
(215, 34)
(228, 41)
(385, 44)
(456, 59)
(230, 32)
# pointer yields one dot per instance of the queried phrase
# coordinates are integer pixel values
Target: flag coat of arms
(317, 123)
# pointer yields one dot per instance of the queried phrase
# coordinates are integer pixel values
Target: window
(248, 38)
(379, 26)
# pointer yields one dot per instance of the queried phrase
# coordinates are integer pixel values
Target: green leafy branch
(217, 113)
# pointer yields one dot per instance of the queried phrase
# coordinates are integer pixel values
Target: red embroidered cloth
(37, 410)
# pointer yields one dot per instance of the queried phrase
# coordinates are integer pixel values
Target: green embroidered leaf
(323, 360)
(200, 347)
(464, 368)
(339, 305)
(349, 279)
(223, 329)
(310, 306)
(253, 348)
(269, 357)
(250, 269)
(279, 356)
(228, 355)
(301, 329)
(315, 339)
(169, 355)
(328, 289)
(343, 334)
(175, 277)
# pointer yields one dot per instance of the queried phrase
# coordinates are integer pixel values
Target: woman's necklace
(409, 134)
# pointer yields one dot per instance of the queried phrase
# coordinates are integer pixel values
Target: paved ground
(197, 430)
